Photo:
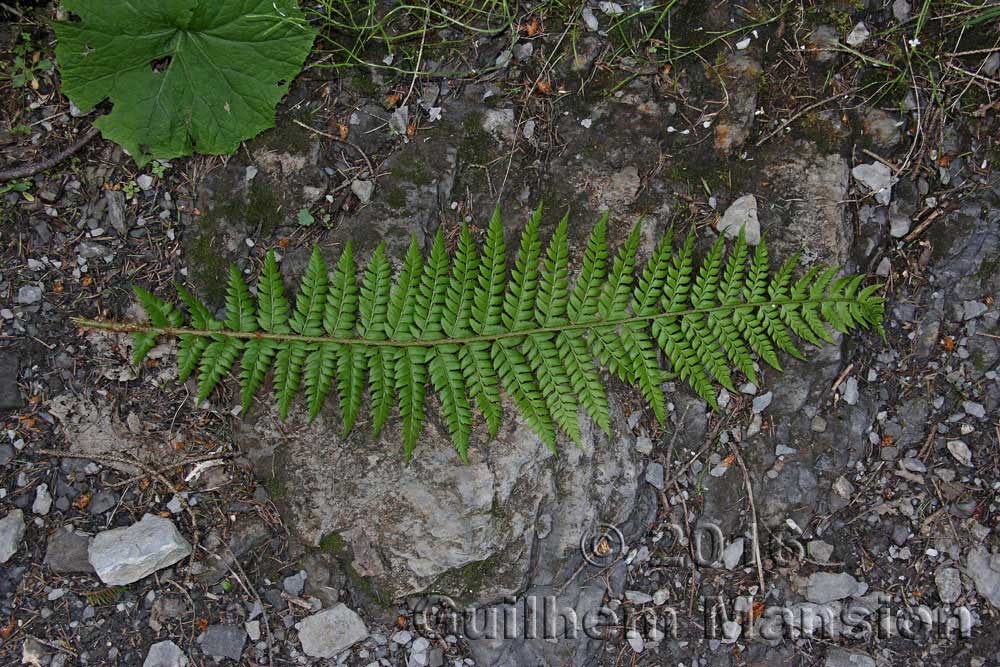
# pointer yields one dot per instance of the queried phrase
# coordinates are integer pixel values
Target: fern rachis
(467, 329)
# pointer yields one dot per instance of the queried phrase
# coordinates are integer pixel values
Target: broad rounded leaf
(182, 75)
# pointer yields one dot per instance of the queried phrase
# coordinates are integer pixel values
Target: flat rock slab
(122, 556)
(11, 534)
(329, 632)
(165, 654)
(482, 529)
(66, 552)
(223, 641)
(10, 395)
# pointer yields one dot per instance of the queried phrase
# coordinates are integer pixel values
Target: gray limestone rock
(122, 556)
(329, 632)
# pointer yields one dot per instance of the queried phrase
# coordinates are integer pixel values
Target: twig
(327, 135)
(24, 171)
(253, 593)
(795, 116)
(919, 229)
(753, 517)
(152, 472)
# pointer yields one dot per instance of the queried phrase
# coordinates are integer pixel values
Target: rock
(761, 402)
(819, 550)
(733, 554)
(644, 445)
(839, 657)
(116, 210)
(122, 556)
(43, 500)
(973, 309)
(29, 294)
(144, 181)
(823, 42)
(33, 652)
(93, 427)
(974, 409)
(363, 189)
(960, 451)
(10, 395)
(101, 502)
(635, 641)
(638, 597)
(165, 654)
(741, 215)
(983, 568)
(465, 528)
(949, 584)
(331, 631)
(294, 584)
(223, 641)
(849, 390)
(858, 34)
(813, 217)
(901, 10)
(655, 475)
(66, 552)
(740, 74)
(882, 127)
(877, 177)
(11, 534)
(824, 587)
(899, 225)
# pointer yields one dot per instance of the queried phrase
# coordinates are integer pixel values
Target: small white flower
(914, 43)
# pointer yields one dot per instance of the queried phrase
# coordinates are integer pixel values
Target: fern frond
(465, 328)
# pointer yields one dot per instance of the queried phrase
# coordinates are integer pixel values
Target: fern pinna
(469, 328)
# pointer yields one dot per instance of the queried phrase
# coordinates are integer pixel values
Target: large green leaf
(182, 75)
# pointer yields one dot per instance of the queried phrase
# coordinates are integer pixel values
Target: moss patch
(333, 543)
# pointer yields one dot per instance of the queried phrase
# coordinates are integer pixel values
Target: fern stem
(138, 327)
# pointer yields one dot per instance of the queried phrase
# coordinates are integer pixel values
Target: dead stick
(24, 171)
(753, 517)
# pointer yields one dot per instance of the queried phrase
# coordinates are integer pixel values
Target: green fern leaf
(461, 287)
(519, 301)
(583, 301)
(467, 329)
(448, 380)
(613, 305)
(485, 318)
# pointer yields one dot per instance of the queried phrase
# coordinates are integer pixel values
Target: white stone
(960, 451)
(43, 500)
(331, 631)
(122, 556)
(11, 534)
(165, 654)
(877, 178)
(363, 190)
(741, 215)
(858, 35)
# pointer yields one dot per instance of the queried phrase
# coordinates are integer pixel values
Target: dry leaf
(544, 87)
(82, 501)
(534, 27)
